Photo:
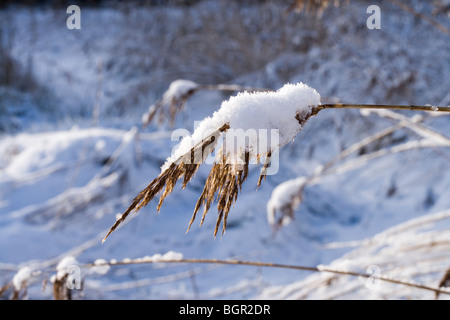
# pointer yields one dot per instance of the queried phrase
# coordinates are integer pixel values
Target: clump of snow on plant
(255, 111)
(63, 267)
(170, 255)
(178, 89)
(101, 267)
(21, 277)
(286, 194)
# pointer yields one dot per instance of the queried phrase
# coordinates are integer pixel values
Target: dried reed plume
(60, 289)
(167, 108)
(223, 183)
(225, 179)
(314, 7)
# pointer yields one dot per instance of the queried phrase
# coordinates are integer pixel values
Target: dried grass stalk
(60, 289)
(445, 282)
(225, 179)
(222, 185)
(185, 166)
(314, 7)
(163, 111)
(5, 288)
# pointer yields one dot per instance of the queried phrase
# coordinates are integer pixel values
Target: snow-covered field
(75, 159)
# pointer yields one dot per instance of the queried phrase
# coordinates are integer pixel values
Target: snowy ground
(72, 162)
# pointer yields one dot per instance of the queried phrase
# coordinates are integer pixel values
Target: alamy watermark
(73, 280)
(374, 20)
(235, 142)
(74, 20)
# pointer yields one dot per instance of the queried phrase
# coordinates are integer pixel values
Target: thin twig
(274, 265)
(382, 106)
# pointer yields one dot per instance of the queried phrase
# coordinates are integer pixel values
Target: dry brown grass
(313, 7)
(184, 167)
(60, 289)
(321, 269)
(225, 179)
(223, 184)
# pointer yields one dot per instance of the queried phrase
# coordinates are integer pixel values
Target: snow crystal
(21, 277)
(255, 111)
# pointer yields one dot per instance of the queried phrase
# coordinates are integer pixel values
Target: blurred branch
(275, 265)
(411, 10)
(170, 105)
(381, 106)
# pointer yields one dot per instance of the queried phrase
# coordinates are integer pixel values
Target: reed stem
(381, 106)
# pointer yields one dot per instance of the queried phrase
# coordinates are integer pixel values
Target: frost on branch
(242, 122)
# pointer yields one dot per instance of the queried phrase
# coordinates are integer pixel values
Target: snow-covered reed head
(285, 199)
(172, 102)
(248, 115)
(286, 111)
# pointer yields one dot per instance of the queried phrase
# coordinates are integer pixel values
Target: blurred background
(74, 153)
